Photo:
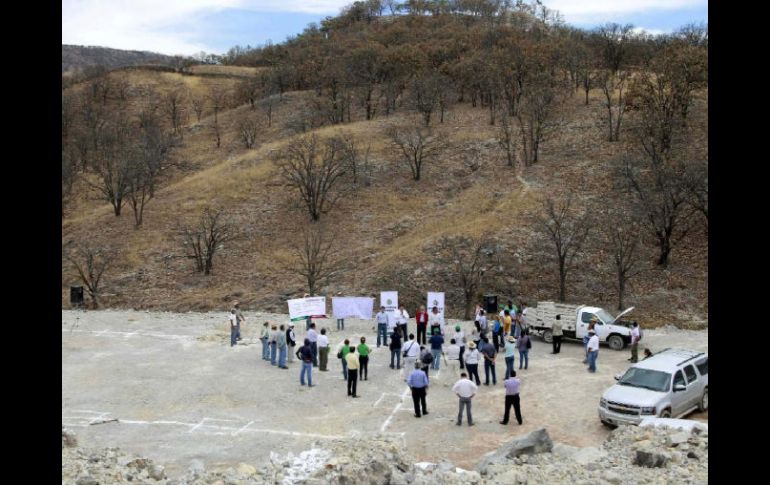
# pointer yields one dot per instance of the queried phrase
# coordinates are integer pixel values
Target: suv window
(690, 372)
(679, 378)
(703, 367)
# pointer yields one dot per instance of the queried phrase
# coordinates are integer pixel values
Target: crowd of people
(415, 357)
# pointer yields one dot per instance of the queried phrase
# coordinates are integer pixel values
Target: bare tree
(218, 98)
(202, 240)
(425, 94)
(111, 161)
(150, 155)
(198, 104)
(613, 44)
(355, 156)
(250, 89)
(173, 106)
(507, 140)
(536, 115)
(567, 229)
(313, 256)
(623, 237)
(91, 262)
(313, 168)
(698, 189)
(463, 261)
(68, 175)
(416, 146)
(248, 128)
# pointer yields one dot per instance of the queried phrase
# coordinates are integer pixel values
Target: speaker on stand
(76, 297)
(490, 303)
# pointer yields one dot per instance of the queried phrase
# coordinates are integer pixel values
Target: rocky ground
(630, 455)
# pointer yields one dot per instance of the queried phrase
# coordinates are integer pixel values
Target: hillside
(75, 58)
(384, 230)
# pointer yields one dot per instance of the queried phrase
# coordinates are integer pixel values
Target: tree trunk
(664, 244)
(562, 280)
(621, 289)
(468, 305)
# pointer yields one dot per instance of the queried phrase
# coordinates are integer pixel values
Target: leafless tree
(198, 104)
(218, 99)
(425, 94)
(567, 229)
(313, 256)
(148, 162)
(91, 262)
(613, 86)
(68, 175)
(313, 168)
(698, 188)
(248, 128)
(173, 106)
(536, 114)
(506, 138)
(111, 161)
(415, 145)
(202, 240)
(613, 42)
(250, 89)
(623, 237)
(462, 262)
(355, 156)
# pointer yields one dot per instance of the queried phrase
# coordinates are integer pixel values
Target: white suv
(669, 384)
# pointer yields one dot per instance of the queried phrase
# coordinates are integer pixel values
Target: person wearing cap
(422, 324)
(465, 390)
(556, 333)
(411, 352)
(291, 340)
(323, 350)
(453, 358)
(510, 356)
(382, 318)
(524, 344)
(418, 382)
(472, 362)
(264, 337)
(459, 338)
(593, 350)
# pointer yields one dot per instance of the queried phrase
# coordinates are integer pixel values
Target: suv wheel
(703, 405)
(616, 342)
(666, 413)
(548, 336)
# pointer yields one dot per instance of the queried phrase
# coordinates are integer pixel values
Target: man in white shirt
(435, 321)
(453, 358)
(312, 335)
(382, 319)
(233, 327)
(465, 390)
(459, 337)
(593, 350)
(402, 318)
(411, 350)
(636, 335)
(323, 349)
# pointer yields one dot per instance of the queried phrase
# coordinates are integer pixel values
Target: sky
(188, 27)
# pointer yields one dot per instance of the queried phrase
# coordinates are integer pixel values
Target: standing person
(489, 353)
(273, 343)
(291, 340)
(523, 314)
(497, 333)
(510, 358)
(472, 362)
(593, 350)
(395, 350)
(305, 354)
(426, 359)
(382, 326)
(636, 335)
(436, 347)
(465, 390)
(418, 383)
(363, 360)
(557, 333)
(233, 327)
(422, 324)
(524, 344)
(323, 349)
(239, 317)
(453, 357)
(411, 353)
(507, 322)
(342, 352)
(264, 337)
(402, 320)
(475, 335)
(483, 324)
(283, 347)
(459, 337)
(353, 366)
(587, 337)
(435, 321)
(392, 327)
(312, 335)
(512, 385)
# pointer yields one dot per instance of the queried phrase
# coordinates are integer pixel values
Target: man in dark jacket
(395, 349)
(305, 354)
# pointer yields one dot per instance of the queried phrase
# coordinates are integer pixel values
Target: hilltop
(76, 58)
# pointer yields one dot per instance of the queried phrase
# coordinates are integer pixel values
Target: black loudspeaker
(490, 303)
(76, 296)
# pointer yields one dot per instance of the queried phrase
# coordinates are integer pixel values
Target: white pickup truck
(575, 320)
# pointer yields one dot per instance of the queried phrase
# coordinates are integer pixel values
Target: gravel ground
(181, 395)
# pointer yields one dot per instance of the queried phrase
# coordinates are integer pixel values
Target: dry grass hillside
(381, 232)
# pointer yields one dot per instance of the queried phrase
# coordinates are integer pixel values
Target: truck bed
(545, 314)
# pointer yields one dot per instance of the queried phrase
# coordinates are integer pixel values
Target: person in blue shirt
(436, 342)
(418, 383)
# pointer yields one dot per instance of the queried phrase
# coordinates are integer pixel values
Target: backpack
(427, 359)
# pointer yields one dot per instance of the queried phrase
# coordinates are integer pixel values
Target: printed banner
(352, 307)
(313, 306)
(389, 299)
(435, 299)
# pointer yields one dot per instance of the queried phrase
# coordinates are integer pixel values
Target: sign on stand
(313, 306)
(436, 299)
(389, 299)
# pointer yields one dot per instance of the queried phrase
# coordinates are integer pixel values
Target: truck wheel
(548, 336)
(616, 342)
(703, 405)
(666, 413)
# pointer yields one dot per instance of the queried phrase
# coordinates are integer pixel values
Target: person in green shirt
(343, 351)
(363, 359)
